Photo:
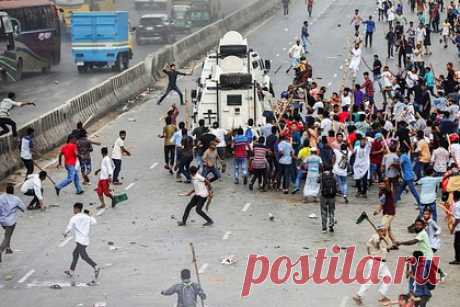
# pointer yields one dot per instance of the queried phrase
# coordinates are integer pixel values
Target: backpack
(328, 185)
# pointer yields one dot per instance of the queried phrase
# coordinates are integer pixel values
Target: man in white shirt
(9, 205)
(295, 53)
(117, 154)
(201, 188)
(105, 177)
(5, 107)
(26, 151)
(80, 226)
(33, 187)
(220, 134)
(455, 230)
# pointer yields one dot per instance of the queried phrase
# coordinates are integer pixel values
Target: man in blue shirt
(286, 154)
(408, 175)
(370, 27)
(9, 204)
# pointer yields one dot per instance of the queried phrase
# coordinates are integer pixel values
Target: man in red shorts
(105, 178)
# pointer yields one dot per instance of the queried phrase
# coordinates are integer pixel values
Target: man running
(80, 226)
(5, 107)
(69, 152)
(9, 205)
(172, 74)
(27, 151)
(310, 7)
(201, 188)
(105, 177)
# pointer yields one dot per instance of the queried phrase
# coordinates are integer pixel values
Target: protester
(70, 154)
(172, 74)
(9, 205)
(27, 151)
(33, 186)
(187, 291)
(105, 179)
(119, 150)
(5, 119)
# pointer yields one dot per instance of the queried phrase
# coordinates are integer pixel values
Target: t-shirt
(69, 151)
(26, 148)
(220, 134)
(455, 152)
(428, 189)
(286, 150)
(343, 116)
(341, 162)
(376, 158)
(313, 163)
(440, 159)
(260, 152)
(388, 204)
(304, 153)
(423, 244)
(199, 186)
(5, 107)
(406, 167)
(168, 132)
(84, 148)
(389, 160)
(424, 151)
(240, 146)
(116, 153)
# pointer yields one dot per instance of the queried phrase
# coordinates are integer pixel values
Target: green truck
(196, 13)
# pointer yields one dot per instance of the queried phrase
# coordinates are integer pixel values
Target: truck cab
(101, 39)
(180, 17)
(154, 27)
(203, 12)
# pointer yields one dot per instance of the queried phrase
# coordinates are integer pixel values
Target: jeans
(369, 38)
(240, 164)
(327, 211)
(285, 173)
(80, 250)
(172, 87)
(300, 175)
(432, 206)
(116, 171)
(4, 123)
(305, 43)
(211, 170)
(413, 190)
(378, 80)
(343, 185)
(419, 169)
(170, 153)
(184, 166)
(7, 239)
(72, 176)
(199, 202)
(362, 185)
(375, 169)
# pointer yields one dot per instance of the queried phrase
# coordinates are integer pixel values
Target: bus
(7, 58)
(67, 7)
(36, 32)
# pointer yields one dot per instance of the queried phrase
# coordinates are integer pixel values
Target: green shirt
(423, 244)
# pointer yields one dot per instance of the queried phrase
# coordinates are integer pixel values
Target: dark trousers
(80, 251)
(170, 152)
(401, 57)
(285, 173)
(259, 174)
(362, 185)
(117, 170)
(7, 238)
(423, 301)
(457, 246)
(327, 211)
(29, 165)
(390, 49)
(4, 123)
(198, 202)
(172, 87)
(184, 165)
(369, 38)
(34, 201)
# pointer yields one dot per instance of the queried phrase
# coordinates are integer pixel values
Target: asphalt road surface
(149, 250)
(63, 82)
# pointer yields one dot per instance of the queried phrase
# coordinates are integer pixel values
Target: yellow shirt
(424, 151)
(304, 153)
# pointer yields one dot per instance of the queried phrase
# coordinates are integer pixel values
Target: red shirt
(376, 158)
(343, 116)
(70, 154)
(369, 87)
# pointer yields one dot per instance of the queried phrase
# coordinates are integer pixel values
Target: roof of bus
(12, 4)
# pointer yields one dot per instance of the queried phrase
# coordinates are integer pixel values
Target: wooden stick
(47, 176)
(196, 269)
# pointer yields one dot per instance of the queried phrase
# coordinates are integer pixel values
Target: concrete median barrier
(52, 128)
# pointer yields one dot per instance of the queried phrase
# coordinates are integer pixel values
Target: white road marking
(25, 277)
(343, 302)
(130, 186)
(64, 243)
(246, 207)
(154, 165)
(226, 235)
(203, 268)
(332, 57)
(100, 212)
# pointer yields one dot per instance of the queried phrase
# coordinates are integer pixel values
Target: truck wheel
(82, 69)
(125, 62)
(117, 65)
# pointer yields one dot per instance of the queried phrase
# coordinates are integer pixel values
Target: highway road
(147, 250)
(63, 82)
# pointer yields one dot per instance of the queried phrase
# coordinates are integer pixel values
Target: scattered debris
(277, 246)
(271, 217)
(144, 245)
(173, 217)
(114, 248)
(307, 248)
(110, 243)
(56, 287)
(100, 304)
(8, 277)
(229, 260)
(132, 243)
(313, 216)
(132, 119)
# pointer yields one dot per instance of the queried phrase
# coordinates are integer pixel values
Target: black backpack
(328, 185)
